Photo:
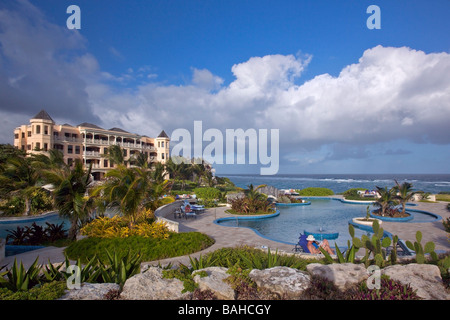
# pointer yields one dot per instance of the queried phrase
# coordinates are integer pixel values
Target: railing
(122, 144)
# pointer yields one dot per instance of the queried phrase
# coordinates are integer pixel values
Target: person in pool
(313, 245)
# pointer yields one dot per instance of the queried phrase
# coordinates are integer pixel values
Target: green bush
(48, 291)
(177, 244)
(318, 192)
(207, 193)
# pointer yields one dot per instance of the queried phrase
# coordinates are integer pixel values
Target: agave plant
(20, 279)
(116, 270)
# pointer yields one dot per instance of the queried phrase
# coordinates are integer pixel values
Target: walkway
(232, 237)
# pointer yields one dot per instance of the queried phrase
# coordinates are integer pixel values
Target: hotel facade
(87, 142)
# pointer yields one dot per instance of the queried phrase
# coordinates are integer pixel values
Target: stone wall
(165, 214)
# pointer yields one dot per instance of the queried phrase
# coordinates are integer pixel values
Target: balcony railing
(121, 144)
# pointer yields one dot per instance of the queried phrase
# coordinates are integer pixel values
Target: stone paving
(232, 237)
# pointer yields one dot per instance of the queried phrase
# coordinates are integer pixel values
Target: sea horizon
(340, 182)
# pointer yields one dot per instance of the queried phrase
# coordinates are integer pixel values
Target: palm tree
(115, 155)
(20, 176)
(252, 192)
(386, 200)
(404, 193)
(71, 186)
(126, 188)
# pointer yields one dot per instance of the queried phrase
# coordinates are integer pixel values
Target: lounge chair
(302, 245)
(188, 213)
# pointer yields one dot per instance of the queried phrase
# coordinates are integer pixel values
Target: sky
(344, 98)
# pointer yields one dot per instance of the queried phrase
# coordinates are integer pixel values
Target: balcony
(92, 154)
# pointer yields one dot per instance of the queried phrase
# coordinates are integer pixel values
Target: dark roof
(43, 115)
(89, 125)
(118, 130)
(163, 134)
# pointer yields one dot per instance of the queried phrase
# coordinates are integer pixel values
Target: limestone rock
(90, 291)
(425, 278)
(214, 282)
(342, 275)
(283, 281)
(150, 285)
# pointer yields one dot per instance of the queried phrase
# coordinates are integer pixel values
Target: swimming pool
(323, 215)
(12, 223)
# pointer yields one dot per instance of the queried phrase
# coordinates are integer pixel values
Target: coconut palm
(115, 155)
(125, 188)
(404, 193)
(252, 192)
(386, 199)
(20, 176)
(71, 186)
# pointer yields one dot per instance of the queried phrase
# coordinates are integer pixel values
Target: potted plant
(367, 220)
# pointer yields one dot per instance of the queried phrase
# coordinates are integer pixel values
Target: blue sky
(346, 99)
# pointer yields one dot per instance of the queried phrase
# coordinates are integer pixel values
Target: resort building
(87, 142)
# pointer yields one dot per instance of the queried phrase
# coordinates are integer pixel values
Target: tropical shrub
(246, 205)
(314, 191)
(284, 198)
(47, 291)
(41, 201)
(446, 224)
(36, 234)
(13, 206)
(207, 193)
(119, 227)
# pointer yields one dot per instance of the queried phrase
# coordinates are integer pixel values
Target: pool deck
(232, 236)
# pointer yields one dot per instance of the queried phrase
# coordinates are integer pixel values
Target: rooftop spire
(43, 115)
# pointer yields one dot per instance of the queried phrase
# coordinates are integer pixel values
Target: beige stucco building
(87, 142)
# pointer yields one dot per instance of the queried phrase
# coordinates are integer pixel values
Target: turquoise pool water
(323, 215)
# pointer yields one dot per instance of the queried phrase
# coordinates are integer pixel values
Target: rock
(425, 278)
(214, 282)
(150, 285)
(283, 281)
(90, 291)
(342, 275)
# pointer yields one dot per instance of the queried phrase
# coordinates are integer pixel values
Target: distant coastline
(432, 183)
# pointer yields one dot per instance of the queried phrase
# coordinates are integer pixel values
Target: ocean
(432, 183)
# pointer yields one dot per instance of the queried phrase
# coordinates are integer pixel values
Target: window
(45, 146)
(38, 146)
(16, 136)
(69, 149)
(23, 135)
(69, 161)
(38, 129)
(162, 156)
(29, 147)
(105, 163)
(162, 144)
(45, 129)
(29, 133)
(77, 149)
